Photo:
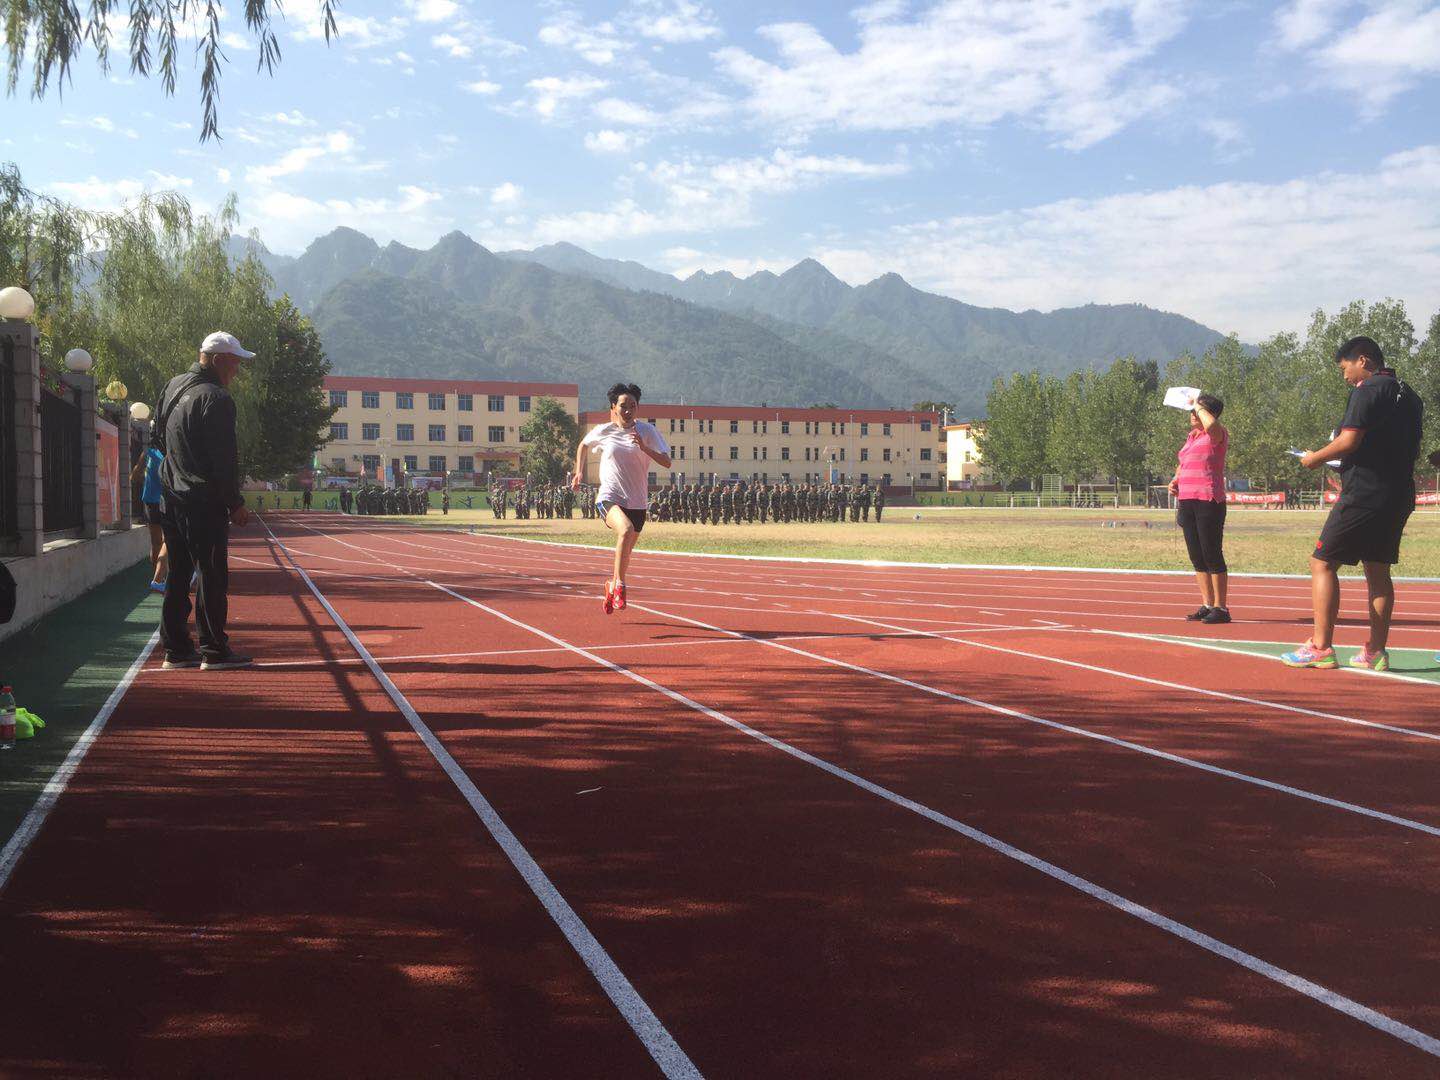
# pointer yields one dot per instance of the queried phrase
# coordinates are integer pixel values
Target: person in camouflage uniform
(879, 500)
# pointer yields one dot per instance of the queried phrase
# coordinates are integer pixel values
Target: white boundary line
(1002, 710)
(657, 1040)
(29, 827)
(1329, 998)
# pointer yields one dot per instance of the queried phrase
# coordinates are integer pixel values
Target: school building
(896, 448)
(964, 467)
(432, 425)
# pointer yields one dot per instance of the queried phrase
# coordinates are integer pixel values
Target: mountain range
(802, 337)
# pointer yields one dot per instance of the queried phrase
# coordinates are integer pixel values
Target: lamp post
(16, 303)
(79, 361)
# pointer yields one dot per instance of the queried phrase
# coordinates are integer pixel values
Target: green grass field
(1275, 541)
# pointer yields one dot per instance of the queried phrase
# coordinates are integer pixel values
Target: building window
(497, 433)
(734, 427)
(369, 432)
(885, 480)
(864, 429)
(925, 454)
(832, 427)
(682, 427)
(784, 427)
(405, 432)
(864, 478)
(437, 432)
(807, 453)
(524, 402)
(437, 463)
(651, 479)
(436, 402)
(734, 453)
(842, 427)
(755, 453)
(924, 425)
(465, 463)
(465, 403)
(924, 476)
(885, 430)
(522, 436)
(404, 401)
(784, 453)
(371, 463)
(340, 398)
(672, 426)
(680, 452)
(842, 454)
(754, 427)
(497, 402)
(764, 453)
(887, 453)
(465, 433)
(412, 463)
(864, 454)
(369, 399)
(340, 432)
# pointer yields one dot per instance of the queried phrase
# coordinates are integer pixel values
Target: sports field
(773, 819)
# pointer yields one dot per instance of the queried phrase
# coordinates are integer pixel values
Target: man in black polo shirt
(200, 477)
(1378, 442)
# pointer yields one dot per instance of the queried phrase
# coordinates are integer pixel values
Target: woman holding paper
(1199, 488)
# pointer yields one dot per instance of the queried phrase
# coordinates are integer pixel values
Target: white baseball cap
(221, 342)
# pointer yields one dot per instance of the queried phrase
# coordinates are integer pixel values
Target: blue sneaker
(1308, 656)
(157, 586)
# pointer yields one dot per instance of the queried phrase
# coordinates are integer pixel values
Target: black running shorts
(637, 517)
(1354, 534)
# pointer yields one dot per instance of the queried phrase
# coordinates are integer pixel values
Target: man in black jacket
(200, 477)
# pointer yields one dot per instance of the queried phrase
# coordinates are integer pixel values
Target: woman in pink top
(1199, 487)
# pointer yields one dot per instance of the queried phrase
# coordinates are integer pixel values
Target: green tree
(1071, 447)
(52, 33)
(291, 409)
(1116, 412)
(1013, 441)
(550, 437)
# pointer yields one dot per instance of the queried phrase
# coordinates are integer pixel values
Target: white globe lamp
(139, 411)
(16, 303)
(79, 361)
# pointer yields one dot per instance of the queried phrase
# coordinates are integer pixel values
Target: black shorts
(1354, 534)
(1203, 523)
(637, 517)
(153, 515)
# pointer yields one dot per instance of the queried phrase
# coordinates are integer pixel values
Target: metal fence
(9, 475)
(60, 448)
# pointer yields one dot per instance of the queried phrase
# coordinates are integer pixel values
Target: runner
(626, 447)
(1199, 487)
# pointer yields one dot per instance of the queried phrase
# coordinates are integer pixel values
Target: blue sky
(1241, 163)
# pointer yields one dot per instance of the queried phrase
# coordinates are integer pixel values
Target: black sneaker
(182, 660)
(225, 662)
(1198, 615)
(1217, 615)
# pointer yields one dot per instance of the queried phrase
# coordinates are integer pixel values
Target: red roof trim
(749, 412)
(452, 386)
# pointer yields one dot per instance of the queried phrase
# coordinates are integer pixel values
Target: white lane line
(657, 1040)
(29, 827)
(1219, 646)
(1325, 996)
(1001, 710)
(1080, 665)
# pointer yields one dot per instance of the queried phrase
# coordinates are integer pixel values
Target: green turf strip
(1412, 663)
(63, 668)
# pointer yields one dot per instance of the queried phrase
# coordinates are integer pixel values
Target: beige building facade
(433, 426)
(963, 464)
(896, 448)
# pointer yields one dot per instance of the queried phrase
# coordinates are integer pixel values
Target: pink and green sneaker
(1308, 655)
(1379, 660)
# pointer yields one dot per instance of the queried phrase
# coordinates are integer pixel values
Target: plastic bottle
(7, 718)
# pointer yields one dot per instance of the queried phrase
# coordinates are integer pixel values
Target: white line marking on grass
(1164, 755)
(29, 827)
(1325, 996)
(1219, 646)
(1281, 706)
(657, 1040)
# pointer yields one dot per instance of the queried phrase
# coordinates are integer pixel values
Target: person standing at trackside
(1377, 442)
(200, 480)
(147, 470)
(1199, 488)
(626, 447)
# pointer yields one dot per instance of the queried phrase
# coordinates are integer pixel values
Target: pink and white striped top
(1202, 466)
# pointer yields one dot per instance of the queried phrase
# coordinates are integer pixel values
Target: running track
(776, 819)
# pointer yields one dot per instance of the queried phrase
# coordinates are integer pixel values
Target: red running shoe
(609, 598)
(619, 596)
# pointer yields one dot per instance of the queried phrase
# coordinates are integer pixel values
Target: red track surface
(266, 872)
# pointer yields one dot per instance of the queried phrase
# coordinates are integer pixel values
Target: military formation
(740, 502)
(541, 501)
(371, 500)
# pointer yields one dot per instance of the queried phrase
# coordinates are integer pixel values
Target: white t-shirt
(624, 467)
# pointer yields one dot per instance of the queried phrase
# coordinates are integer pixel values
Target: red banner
(107, 469)
(1271, 498)
(1424, 498)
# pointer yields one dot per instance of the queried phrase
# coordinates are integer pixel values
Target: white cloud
(299, 159)
(294, 118)
(288, 221)
(552, 92)
(616, 111)
(223, 175)
(612, 142)
(354, 31)
(179, 125)
(236, 42)
(1389, 50)
(100, 123)
(464, 37)
(599, 44)
(1250, 257)
(506, 194)
(1073, 70)
(110, 195)
(1231, 142)
(453, 46)
(427, 11)
(481, 86)
(674, 22)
